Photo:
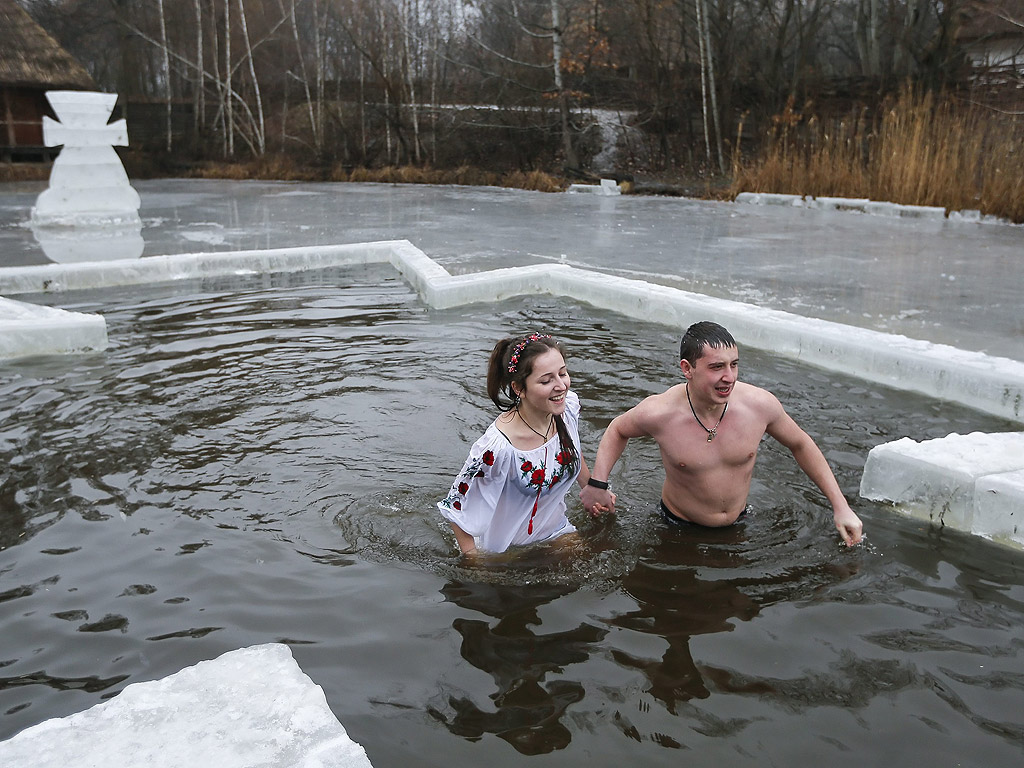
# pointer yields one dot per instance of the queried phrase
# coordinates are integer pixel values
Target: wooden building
(31, 63)
(992, 34)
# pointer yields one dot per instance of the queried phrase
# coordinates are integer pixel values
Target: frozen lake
(949, 282)
(256, 459)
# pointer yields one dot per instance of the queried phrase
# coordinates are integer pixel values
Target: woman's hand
(597, 501)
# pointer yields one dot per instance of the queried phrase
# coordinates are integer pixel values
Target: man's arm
(812, 461)
(582, 479)
(623, 427)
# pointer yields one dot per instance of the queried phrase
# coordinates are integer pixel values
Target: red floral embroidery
(463, 488)
(563, 458)
(488, 458)
(537, 478)
(526, 466)
(457, 504)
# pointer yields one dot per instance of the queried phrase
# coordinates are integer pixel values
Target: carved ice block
(88, 184)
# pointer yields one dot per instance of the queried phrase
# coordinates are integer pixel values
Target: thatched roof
(30, 57)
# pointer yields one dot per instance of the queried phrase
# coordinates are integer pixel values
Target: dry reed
(465, 175)
(917, 150)
(24, 171)
(282, 167)
(277, 167)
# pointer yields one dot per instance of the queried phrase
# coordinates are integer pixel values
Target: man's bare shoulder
(655, 409)
(664, 401)
(756, 399)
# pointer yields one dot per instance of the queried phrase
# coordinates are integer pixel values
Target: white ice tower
(90, 211)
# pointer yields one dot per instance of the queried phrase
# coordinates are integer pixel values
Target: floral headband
(513, 362)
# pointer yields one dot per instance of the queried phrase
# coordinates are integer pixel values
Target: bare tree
(199, 103)
(571, 159)
(260, 135)
(166, 72)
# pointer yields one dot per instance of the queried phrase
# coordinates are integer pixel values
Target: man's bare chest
(689, 449)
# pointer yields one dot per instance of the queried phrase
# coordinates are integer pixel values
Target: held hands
(597, 501)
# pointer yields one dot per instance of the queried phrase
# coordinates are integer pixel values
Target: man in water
(709, 430)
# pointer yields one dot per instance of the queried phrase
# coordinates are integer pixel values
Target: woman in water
(511, 490)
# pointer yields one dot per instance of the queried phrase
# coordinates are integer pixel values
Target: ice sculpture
(90, 210)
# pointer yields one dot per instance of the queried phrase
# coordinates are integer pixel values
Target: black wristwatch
(598, 484)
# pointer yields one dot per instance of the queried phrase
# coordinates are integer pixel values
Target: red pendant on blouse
(536, 501)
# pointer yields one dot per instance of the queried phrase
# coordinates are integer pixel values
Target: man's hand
(597, 501)
(848, 524)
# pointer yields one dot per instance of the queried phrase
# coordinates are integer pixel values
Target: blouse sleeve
(474, 495)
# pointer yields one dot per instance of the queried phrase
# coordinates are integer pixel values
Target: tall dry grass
(465, 175)
(284, 167)
(916, 150)
(24, 171)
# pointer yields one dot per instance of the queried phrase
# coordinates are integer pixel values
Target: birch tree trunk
(199, 98)
(166, 69)
(313, 123)
(703, 77)
(711, 86)
(221, 117)
(571, 161)
(387, 91)
(435, 40)
(410, 75)
(321, 78)
(260, 126)
(362, 106)
(708, 91)
(229, 117)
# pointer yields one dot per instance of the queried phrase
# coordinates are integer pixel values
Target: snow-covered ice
(999, 506)
(30, 329)
(972, 482)
(607, 187)
(250, 708)
(861, 205)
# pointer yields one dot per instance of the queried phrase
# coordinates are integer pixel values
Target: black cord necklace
(711, 432)
(538, 434)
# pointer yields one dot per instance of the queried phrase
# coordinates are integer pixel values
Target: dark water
(257, 460)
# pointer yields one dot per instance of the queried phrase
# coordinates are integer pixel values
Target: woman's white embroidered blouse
(505, 497)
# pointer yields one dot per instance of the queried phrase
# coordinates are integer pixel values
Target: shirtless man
(708, 430)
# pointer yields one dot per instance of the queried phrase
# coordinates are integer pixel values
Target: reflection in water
(675, 604)
(90, 684)
(67, 245)
(528, 710)
(701, 582)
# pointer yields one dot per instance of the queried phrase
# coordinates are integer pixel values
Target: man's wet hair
(700, 335)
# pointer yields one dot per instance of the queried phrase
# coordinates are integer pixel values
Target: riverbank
(916, 149)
